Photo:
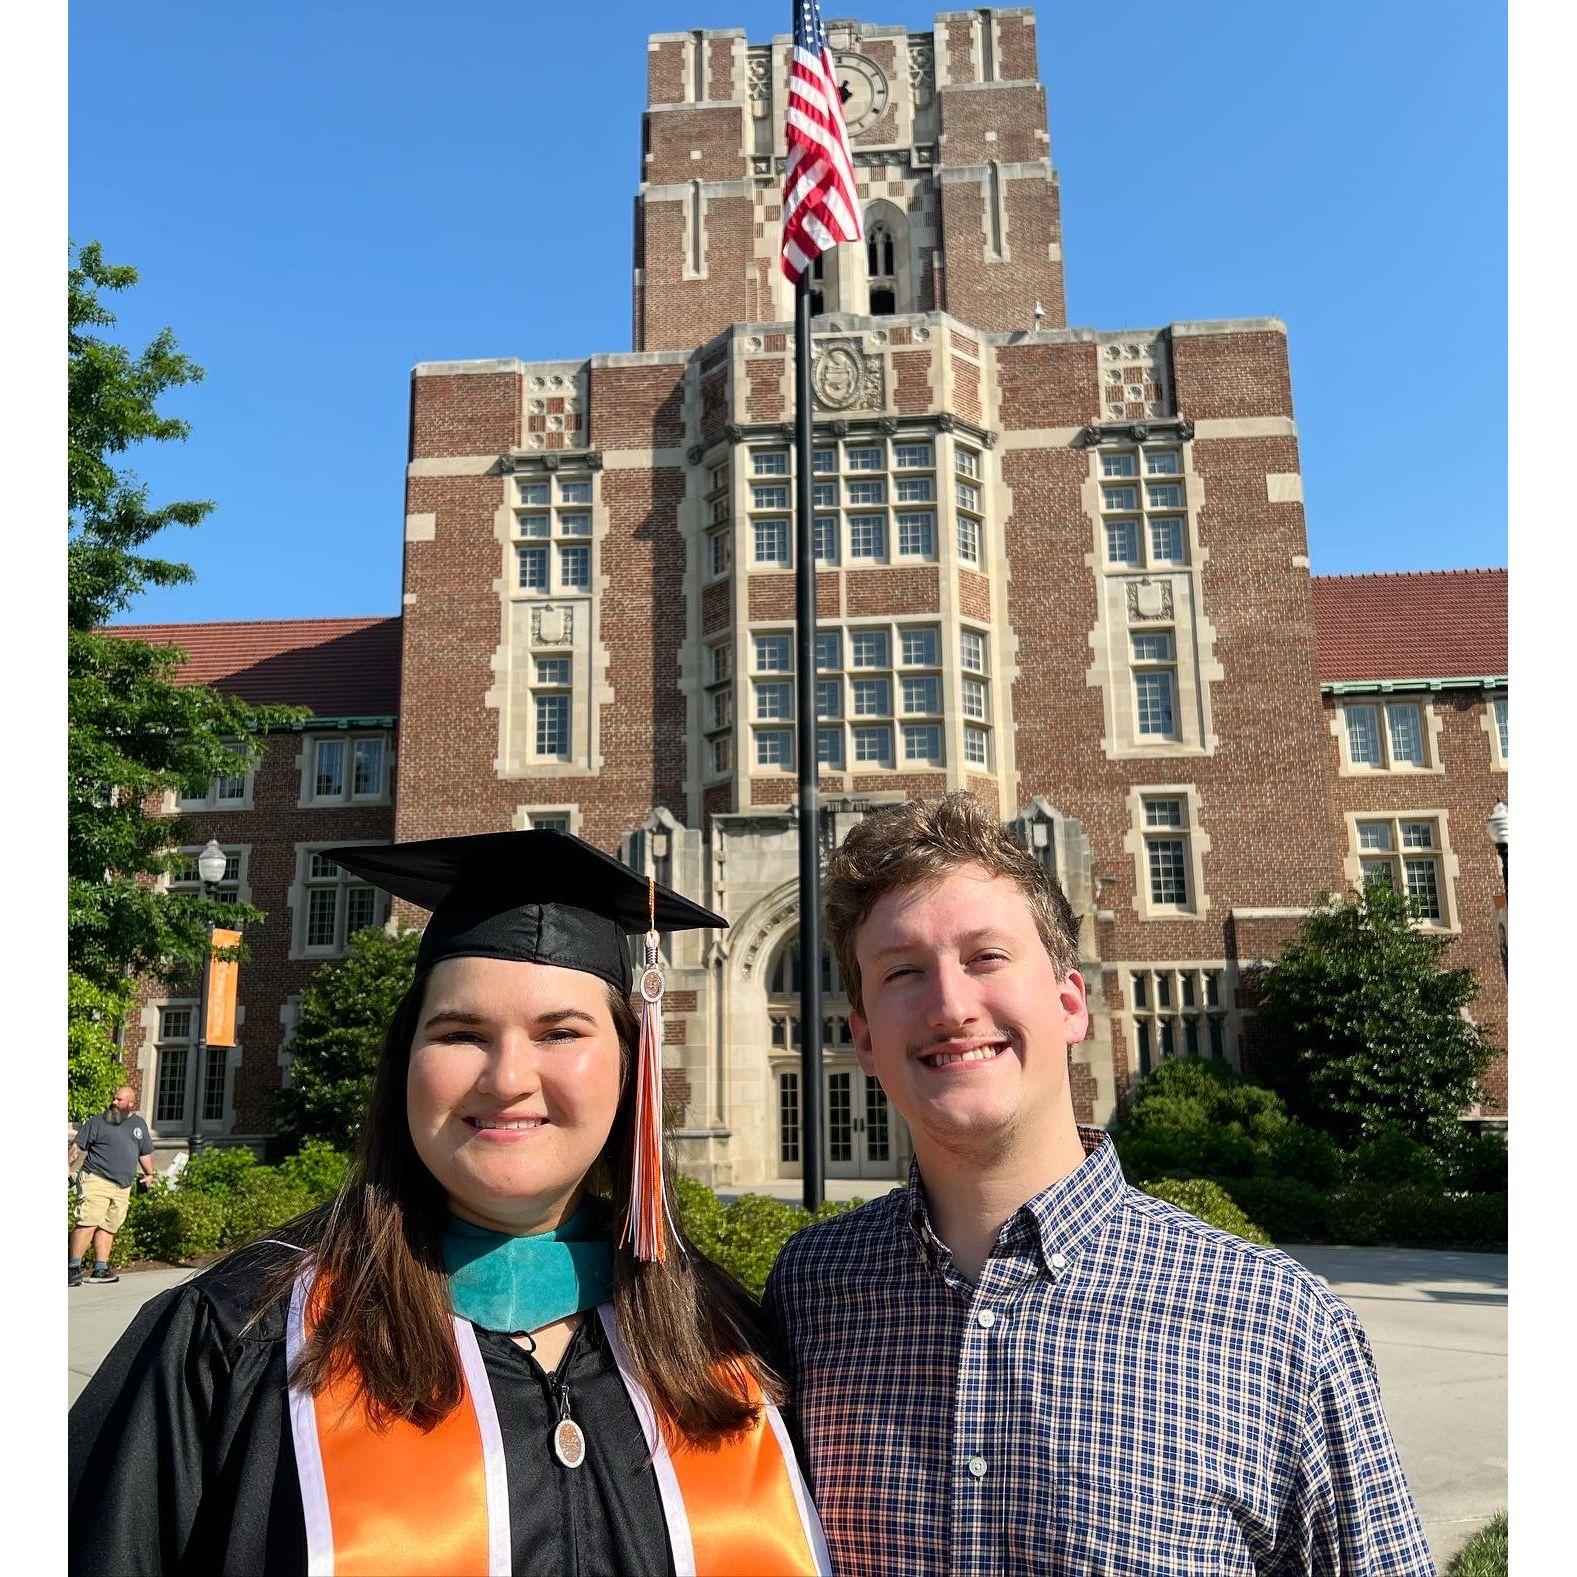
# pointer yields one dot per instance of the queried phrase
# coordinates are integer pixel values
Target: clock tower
(952, 165)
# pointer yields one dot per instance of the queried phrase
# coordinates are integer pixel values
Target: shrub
(345, 1010)
(318, 1168)
(217, 1172)
(179, 1226)
(1210, 1202)
(1304, 1155)
(1290, 1210)
(266, 1199)
(1362, 1028)
(1392, 1157)
(700, 1214)
(1478, 1164)
(755, 1228)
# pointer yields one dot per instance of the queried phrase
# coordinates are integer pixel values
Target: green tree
(339, 1033)
(135, 733)
(1362, 1028)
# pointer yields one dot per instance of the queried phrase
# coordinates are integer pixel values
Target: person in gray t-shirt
(115, 1146)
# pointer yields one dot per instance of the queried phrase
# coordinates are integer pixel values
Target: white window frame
(348, 738)
(1447, 866)
(1381, 706)
(1143, 830)
(184, 804)
(300, 903)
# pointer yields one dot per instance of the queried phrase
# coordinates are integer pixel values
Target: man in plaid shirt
(1021, 1364)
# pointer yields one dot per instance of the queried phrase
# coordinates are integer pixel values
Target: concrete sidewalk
(1437, 1323)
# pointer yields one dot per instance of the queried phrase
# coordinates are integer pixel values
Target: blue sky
(318, 197)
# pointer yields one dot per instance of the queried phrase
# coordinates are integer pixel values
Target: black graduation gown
(182, 1462)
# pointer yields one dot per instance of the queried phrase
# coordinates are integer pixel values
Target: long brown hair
(383, 1315)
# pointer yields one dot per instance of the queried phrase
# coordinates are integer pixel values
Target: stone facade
(1065, 568)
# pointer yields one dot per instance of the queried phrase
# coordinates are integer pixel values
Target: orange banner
(222, 978)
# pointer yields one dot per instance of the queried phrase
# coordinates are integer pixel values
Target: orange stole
(398, 1501)
(740, 1505)
(403, 1501)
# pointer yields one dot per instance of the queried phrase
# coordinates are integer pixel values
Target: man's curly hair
(922, 841)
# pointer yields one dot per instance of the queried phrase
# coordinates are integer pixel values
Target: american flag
(820, 207)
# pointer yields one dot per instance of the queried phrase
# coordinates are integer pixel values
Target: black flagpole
(809, 782)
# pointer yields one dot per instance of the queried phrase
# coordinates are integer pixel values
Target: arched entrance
(862, 1135)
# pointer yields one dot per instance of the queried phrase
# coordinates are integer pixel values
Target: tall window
(1407, 855)
(1145, 523)
(553, 531)
(1498, 710)
(336, 905)
(788, 1116)
(173, 1049)
(344, 768)
(1166, 852)
(885, 708)
(718, 708)
(1384, 736)
(881, 266)
(1178, 1012)
(1155, 684)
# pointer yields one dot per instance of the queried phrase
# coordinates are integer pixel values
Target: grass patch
(1486, 1553)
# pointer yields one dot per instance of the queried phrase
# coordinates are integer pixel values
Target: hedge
(222, 1198)
(1209, 1201)
(1406, 1215)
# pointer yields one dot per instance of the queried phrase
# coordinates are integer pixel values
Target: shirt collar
(1058, 1221)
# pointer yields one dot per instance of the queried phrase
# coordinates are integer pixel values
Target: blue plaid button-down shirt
(1123, 1391)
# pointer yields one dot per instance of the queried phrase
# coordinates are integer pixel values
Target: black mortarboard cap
(540, 897)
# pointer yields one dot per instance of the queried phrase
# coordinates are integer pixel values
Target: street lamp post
(1500, 836)
(210, 870)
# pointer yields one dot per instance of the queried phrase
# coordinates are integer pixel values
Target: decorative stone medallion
(843, 378)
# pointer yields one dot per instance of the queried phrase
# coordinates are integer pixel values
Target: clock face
(864, 89)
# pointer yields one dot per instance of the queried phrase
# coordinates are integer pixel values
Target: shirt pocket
(1106, 1527)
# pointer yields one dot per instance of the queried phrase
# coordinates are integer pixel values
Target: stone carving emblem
(758, 70)
(865, 90)
(552, 626)
(922, 70)
(843, 378)
(1149, 599)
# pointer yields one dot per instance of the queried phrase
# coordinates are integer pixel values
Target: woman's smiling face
(513, 1087)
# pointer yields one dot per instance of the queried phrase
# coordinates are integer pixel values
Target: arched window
(886, 260)
(879, 252)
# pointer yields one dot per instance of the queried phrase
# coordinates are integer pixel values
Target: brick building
(1064, 567)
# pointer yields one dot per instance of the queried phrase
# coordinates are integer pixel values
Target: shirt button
(986, 1318)
(977, 1467)
(1058, 1262)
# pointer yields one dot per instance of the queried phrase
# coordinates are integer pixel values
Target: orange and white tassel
(645, 1222)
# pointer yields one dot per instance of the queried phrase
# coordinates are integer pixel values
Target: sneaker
(73, 1276)
(104, 1276)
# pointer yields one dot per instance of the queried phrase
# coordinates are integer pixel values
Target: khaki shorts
(101, 1203)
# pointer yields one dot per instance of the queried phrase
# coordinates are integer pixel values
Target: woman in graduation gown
(492, 1352)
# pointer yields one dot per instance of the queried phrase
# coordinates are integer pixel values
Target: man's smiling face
(964, 1019)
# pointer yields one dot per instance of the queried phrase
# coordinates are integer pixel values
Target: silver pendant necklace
(569, 1439)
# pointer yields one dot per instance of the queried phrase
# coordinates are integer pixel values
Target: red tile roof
(338, 667)
(1435, 624)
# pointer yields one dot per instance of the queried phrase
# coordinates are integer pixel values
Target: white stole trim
(500, 1553)
(679, 1542)
(674, 1513)
(304, 1435)
(809, 1517)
